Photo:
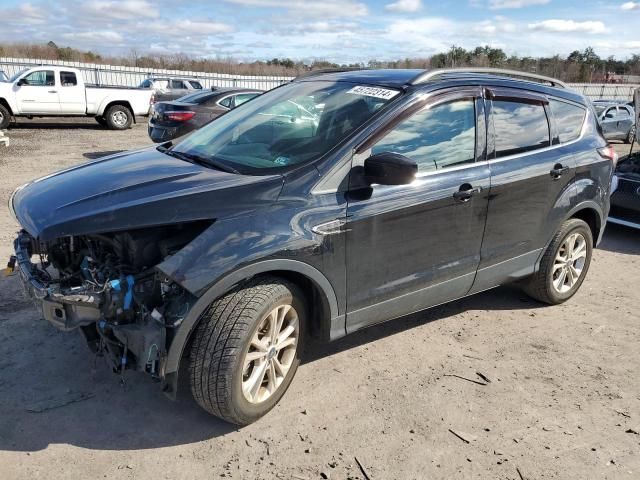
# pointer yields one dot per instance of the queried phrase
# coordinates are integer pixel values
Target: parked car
(171, 88)
(50, 91)
(617, 120)
(232, 248)
(625, 201)
(173, 119)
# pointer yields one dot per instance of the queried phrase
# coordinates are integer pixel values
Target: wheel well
(317, 304)
(5, 104)
(591, 217)
(123, 103)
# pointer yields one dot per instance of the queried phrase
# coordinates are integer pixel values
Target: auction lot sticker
(376, 92)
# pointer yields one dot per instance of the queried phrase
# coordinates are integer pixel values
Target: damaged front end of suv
(109, 248)
(107, 287)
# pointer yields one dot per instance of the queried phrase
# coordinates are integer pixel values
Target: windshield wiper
(210, 162)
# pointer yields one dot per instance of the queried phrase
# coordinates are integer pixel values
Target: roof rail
(322, 71)
(431, 74)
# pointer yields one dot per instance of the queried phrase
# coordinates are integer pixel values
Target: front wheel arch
(327, 323)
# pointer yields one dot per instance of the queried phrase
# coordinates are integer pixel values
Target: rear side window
(435, 138)
(226, 102)
(195, 85)
(569, 120)
(176, 84)
(519, 127)
(68, 79)
(623, 112)
(243, 97)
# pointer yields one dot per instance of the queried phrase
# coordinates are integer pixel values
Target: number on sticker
(376, 92)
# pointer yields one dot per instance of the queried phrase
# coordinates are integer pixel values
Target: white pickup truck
(50, 91)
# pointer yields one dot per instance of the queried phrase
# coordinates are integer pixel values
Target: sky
(342, 31)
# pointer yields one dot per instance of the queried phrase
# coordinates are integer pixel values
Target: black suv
(397, 190)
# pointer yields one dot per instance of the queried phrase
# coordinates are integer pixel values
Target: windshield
(15, 77)
(287, 126)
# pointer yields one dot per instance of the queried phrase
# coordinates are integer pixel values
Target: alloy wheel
(120, 118)
(271, 353)
(569, 262)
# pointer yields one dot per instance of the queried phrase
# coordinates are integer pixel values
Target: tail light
(179, 116)
(609, 153)
(152, 98)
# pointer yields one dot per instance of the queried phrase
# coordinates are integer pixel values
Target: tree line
(579, 66)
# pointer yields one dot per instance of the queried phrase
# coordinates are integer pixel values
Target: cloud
(26, 14)
(502, 4)
(568, 26)
(500, 25)
(96, 36)
(630, 6)
(404, 6)
(314, 8)
(121, 10)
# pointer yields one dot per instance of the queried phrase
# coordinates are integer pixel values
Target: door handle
(53, 91)
(466, 192)
(558, 170)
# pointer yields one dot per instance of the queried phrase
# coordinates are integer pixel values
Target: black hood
(135, 190)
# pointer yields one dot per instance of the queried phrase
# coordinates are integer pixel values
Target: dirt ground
(563, 399)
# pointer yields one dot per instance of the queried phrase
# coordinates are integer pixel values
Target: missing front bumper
(64, 311)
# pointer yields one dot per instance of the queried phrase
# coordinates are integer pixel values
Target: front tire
(564, 264)
(118, 117)
(246, 349)
(5, 117)
(101, 121)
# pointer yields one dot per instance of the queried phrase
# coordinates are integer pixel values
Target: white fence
(608, 91)
(133, 76)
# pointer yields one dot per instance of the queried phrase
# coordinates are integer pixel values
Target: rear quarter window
(568, 118)
(519, 127)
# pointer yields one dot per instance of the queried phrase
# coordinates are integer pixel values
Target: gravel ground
(563, 399)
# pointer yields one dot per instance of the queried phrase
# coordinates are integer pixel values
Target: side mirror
(22, 81)
(388, 168)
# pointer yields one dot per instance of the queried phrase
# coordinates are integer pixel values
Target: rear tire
(564, 264)
(118, 117)
(5, 117)
(631, 135)
(239, 368)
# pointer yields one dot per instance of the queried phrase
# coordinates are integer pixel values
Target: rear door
(531, 173)
(625, 121)
(39, 94)
(413, 246)
(71, 94)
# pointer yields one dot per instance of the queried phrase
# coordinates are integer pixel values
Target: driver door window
(40, 78)
(437, 137)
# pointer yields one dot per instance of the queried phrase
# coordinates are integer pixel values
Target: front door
(609, 123)
(413, 246)
(39, 94)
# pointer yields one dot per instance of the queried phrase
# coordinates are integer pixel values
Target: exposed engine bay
(107, 286)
